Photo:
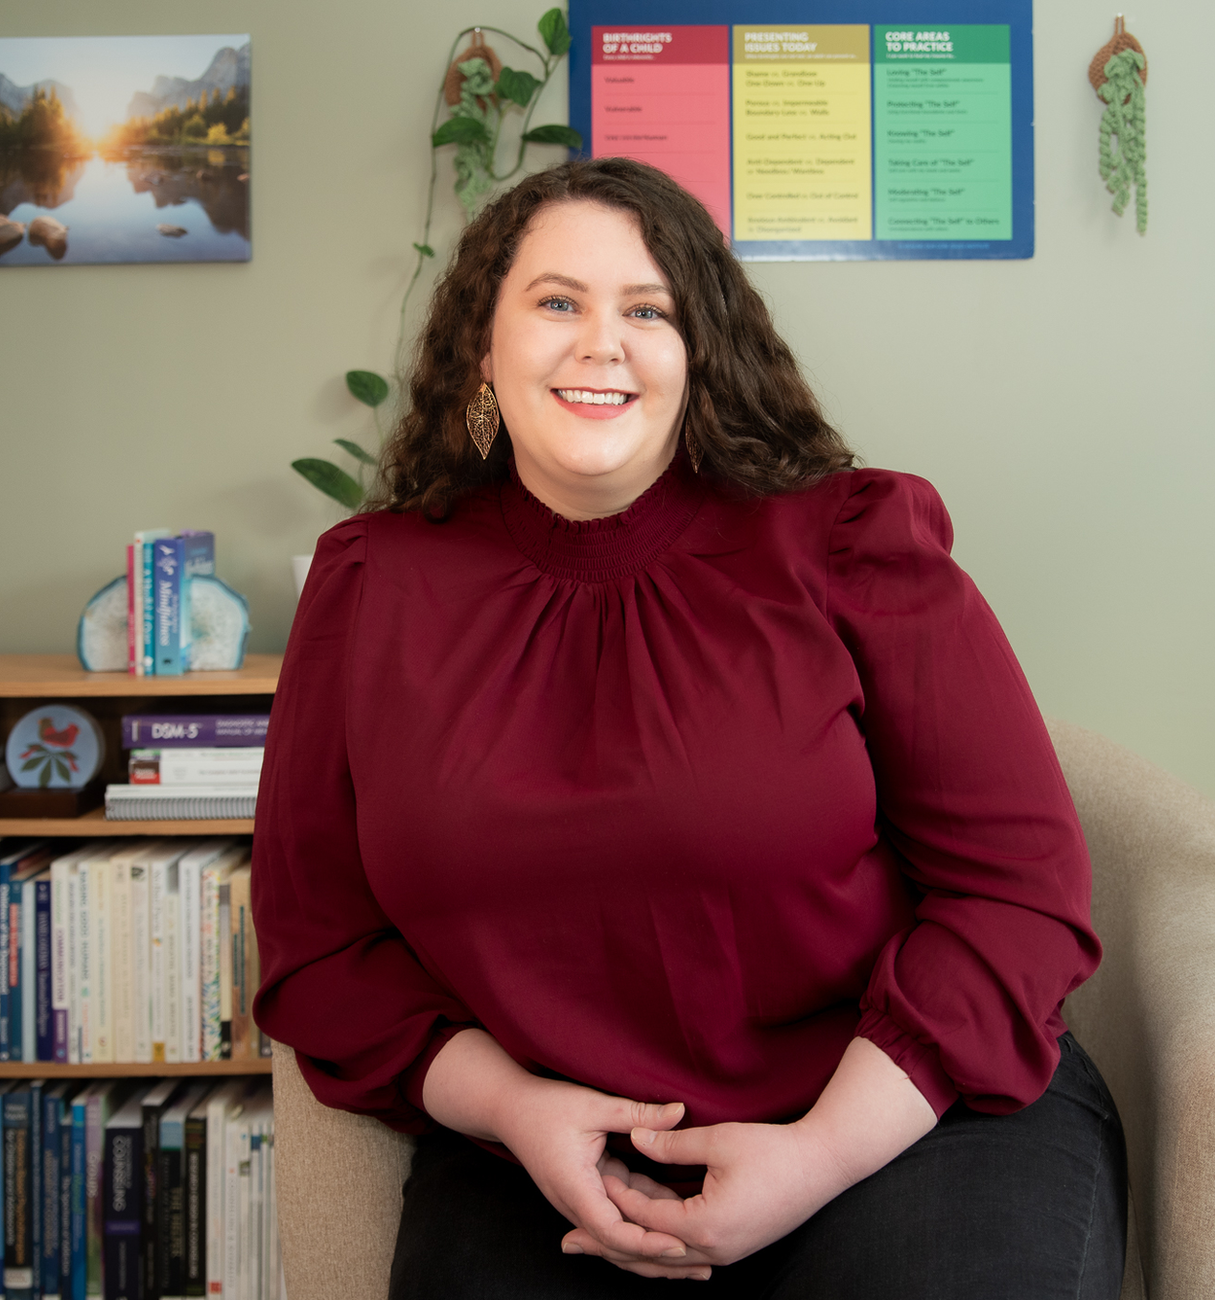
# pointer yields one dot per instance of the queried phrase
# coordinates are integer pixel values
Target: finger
(579, 1242)
(690, 1146)
(589, 1208)
(624, 1115)
(639, 1183)
(677, 1218)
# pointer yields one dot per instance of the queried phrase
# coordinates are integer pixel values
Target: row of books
(127, 951)
(126, 1189)
(160, 565)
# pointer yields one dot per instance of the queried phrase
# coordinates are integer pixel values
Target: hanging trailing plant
(1118, 74)
(480, 94)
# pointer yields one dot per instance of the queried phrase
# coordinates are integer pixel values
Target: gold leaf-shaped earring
(483, 419)
(696, 453)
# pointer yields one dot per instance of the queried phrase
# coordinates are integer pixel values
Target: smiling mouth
(590, 398)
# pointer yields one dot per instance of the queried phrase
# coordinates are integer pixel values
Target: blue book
(78, 1263)
(22, 1111)
(11, 865)
(44, 1044)
(167, 573)
(144, 559)
(54, 1104)
(27, 972)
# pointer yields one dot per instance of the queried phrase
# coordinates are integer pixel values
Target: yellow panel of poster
(802, 133)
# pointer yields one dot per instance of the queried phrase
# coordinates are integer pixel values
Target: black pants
(1029, 1206)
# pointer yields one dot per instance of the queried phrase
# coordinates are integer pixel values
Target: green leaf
(565, 135)
(62, 770)
(425, 250)
(355, 450)
(517, 86)
(460, 130)
(31, 763)
(333, 482)
(368, 387)
(45, 779)
(556, 34)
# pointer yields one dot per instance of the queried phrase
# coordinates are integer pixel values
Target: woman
(651, 800)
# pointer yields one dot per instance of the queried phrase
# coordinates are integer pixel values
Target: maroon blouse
(673, 804)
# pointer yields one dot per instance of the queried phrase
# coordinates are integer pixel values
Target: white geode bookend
(219, 625)
(101, 637)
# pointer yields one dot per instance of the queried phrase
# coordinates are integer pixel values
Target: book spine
(52, 1107)
(86, 959)
(12, 973)
(123, 963)
(79, 1262)
(147, 587)
(18, 1197)
(123, 1203)
(208, 928)
(170, 1224)
(5, 1032)
(171, 920)
(159, 987)
(242, 1046)
(214, 1220)
(59, 963)
(194, 1184)
(73, 963)
(188, 900)
(134, 615)
(150, 1174)
(225, 973)
(168, 566)
(67, 1130)
(194, 730)
(94, 1152)
(236, 1150)
(28, 970)
(102, 894)
(43, 999)
(141, 954)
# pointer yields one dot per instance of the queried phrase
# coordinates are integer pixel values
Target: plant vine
(484, 95)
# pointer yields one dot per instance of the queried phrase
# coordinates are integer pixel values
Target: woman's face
(587, 361)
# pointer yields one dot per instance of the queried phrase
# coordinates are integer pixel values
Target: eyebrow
(551, 277)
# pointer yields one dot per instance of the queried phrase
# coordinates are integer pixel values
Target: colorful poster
(802, 137)
(942, 132)
(828, 133)
(663, 96)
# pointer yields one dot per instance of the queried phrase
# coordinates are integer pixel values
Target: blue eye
(648, 313)
(558, 304)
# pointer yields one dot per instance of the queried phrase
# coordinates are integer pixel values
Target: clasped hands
(762, 1180)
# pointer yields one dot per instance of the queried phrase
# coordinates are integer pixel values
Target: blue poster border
(1017, 14)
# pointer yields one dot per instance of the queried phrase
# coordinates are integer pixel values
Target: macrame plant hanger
(1118, 74)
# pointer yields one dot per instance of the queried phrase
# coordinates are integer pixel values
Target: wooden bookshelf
(25, 678)
(42, 676)
(198, 1069)
(93, 824)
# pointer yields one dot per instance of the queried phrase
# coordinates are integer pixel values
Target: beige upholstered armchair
(1147, 1018)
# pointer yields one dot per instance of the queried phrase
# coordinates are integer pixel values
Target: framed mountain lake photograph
(124, 149)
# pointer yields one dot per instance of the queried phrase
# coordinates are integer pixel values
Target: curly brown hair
(749, 408)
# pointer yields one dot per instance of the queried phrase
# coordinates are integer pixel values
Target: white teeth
(593, 399)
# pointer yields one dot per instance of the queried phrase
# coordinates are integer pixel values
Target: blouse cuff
(414, 1078)
(920, 1061)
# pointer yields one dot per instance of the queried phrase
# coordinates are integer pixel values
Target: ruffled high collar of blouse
(598, 550)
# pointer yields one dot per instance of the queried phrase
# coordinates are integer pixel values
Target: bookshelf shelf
(38, 676)
(162, 1070)
(93, 824)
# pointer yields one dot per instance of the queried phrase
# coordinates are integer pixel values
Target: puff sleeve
(972, 798)
(339, 985)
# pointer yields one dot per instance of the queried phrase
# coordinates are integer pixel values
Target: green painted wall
(1062, 405)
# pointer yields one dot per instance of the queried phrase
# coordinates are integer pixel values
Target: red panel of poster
(662, 95)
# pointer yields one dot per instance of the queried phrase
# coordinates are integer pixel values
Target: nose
(600, 340)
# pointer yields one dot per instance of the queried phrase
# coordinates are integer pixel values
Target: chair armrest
(1148, 1015)
(338, 1180)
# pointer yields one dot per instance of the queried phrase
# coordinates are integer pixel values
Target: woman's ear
(487, 369)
